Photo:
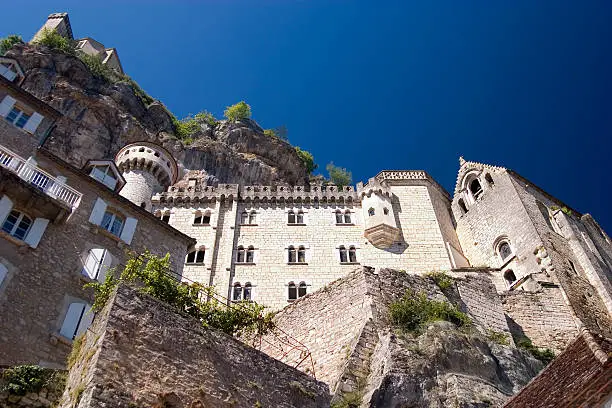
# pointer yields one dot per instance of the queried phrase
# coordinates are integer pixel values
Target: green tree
(339, 175)
(53, 39)
(239, 111)
(7, 43)
(307, 159)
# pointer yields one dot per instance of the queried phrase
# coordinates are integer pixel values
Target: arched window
(343, 254)
(250, 254)
(302, 254)
(196, 257)
(97, 263)
(237, 292)
(206, 218)
(489, 180)
(475, 188)
(462, 206)
(113, 223)
(347, 217)
(510, 277)
(504, 250)
(302, 289)
(338, 217)
(244, 217)
(352, 254)
(371, 212)
(252, 217)
(386, 211)
(201, 219)
(240, 254)
(197, 219)
(300, 217)
(291, 217)
(248, 292)
(17, 224)
(291, 291)
(292, 254)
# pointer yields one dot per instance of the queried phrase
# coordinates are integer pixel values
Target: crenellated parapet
(151, 158)
(307, 194)
(196, 194)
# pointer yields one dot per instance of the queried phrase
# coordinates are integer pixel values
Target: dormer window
(105, 175)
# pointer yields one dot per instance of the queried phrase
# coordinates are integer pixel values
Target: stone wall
(45, 392)
(579, 377)
(43, 281)
(543, 316)
(143, 353)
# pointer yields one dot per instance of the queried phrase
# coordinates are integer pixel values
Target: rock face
(101, 117)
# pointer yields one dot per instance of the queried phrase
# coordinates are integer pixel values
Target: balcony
(39, 179)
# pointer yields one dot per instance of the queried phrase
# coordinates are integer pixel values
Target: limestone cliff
(101, 117)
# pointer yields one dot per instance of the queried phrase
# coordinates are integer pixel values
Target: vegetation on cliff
(23, 379)
(153, 276)
(7, 42)
(339, 175)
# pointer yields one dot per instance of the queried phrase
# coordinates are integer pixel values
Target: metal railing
(45, 182)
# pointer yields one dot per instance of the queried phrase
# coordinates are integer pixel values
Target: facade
(60, 228)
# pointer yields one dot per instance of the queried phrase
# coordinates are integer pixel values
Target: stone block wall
(543, 316)
(143, 353)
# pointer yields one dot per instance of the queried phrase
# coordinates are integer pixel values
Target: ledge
(297, 263)
(96, 229)
(58, 338)
(249, 225)
(200, 225)
(344, 224)
(350, 263)
(245, 263)
(298, 224)
(195, 264)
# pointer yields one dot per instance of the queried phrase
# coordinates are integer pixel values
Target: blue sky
(384, 85)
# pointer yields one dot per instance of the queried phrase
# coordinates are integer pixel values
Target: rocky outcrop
(100, 117)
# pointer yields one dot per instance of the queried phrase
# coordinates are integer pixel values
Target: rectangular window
(17, 117)
(113, 223)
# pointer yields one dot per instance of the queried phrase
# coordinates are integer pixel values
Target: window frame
(297, 290)
(198, 257)
(114, 216)
(17, 224)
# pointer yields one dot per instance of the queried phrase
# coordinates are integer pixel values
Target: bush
(97, 68)
(20, 380)
(270, 133)
(193, 124)
(307, 159)
(152, 273)
(7, 43)
(239, 111)
(498, 337)
(441, 279)
(338, 175)
(53, 39)
(544, 355)
(414, 311)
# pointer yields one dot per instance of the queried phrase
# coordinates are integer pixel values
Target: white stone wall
(139, 187)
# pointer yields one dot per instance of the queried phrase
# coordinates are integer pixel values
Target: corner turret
(380, 225)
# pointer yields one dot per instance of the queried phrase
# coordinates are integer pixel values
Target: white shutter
(86, 319)
(91, 264)
(98, 212)
(72, 319)
(33, 122)
(3, 273)
(6, 105)
(36, 232)
(107, 260)
(6, 205)
(7, 73)
(128, 230)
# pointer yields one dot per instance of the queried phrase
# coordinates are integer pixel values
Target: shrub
(20, 380)
(441, 279)
(97, 68)
(307, 159)
(53, 39)
(7, 43)
(498, 337)
(152, 273)
(544, 355)
(239, 111)
(338, 175)
(270, 133)
(414, 311)
(193, 124)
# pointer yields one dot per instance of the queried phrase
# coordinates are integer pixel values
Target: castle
(63, 226)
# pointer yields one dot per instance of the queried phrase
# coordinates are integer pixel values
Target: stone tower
(58, 22)
(380, 225)
(147, 169)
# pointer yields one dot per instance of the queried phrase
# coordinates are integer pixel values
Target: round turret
(147, 169)
(380, 225)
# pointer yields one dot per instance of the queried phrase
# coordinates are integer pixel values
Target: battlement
(197, 194)
(316, 193)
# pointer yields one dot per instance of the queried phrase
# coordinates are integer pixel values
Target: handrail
(50, 185)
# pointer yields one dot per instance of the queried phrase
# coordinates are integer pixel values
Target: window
(343, 254)
(301, 255)
(475, 189)
(510, 277)
(249, 254)
(196, 257)
(201, 219)
(371, 212)
(347, 217)
(573, 267)
(292, 258)
(504, 250)
(240, 255)
(97, 264)
(17, 224)
(105, 175)
(296, 255)
(462, 206)
(352, 254)
(386, 211)
(78, 318)
(338, 217)
(343, 218)
(244, 218)
(489, 180)
(17, 117)
(291, 217)
(166, 217)
(242, 293)
(245, 255)
(252, 217)
(113, 223)
(300, 217)
(294, 292)
(248, 218)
